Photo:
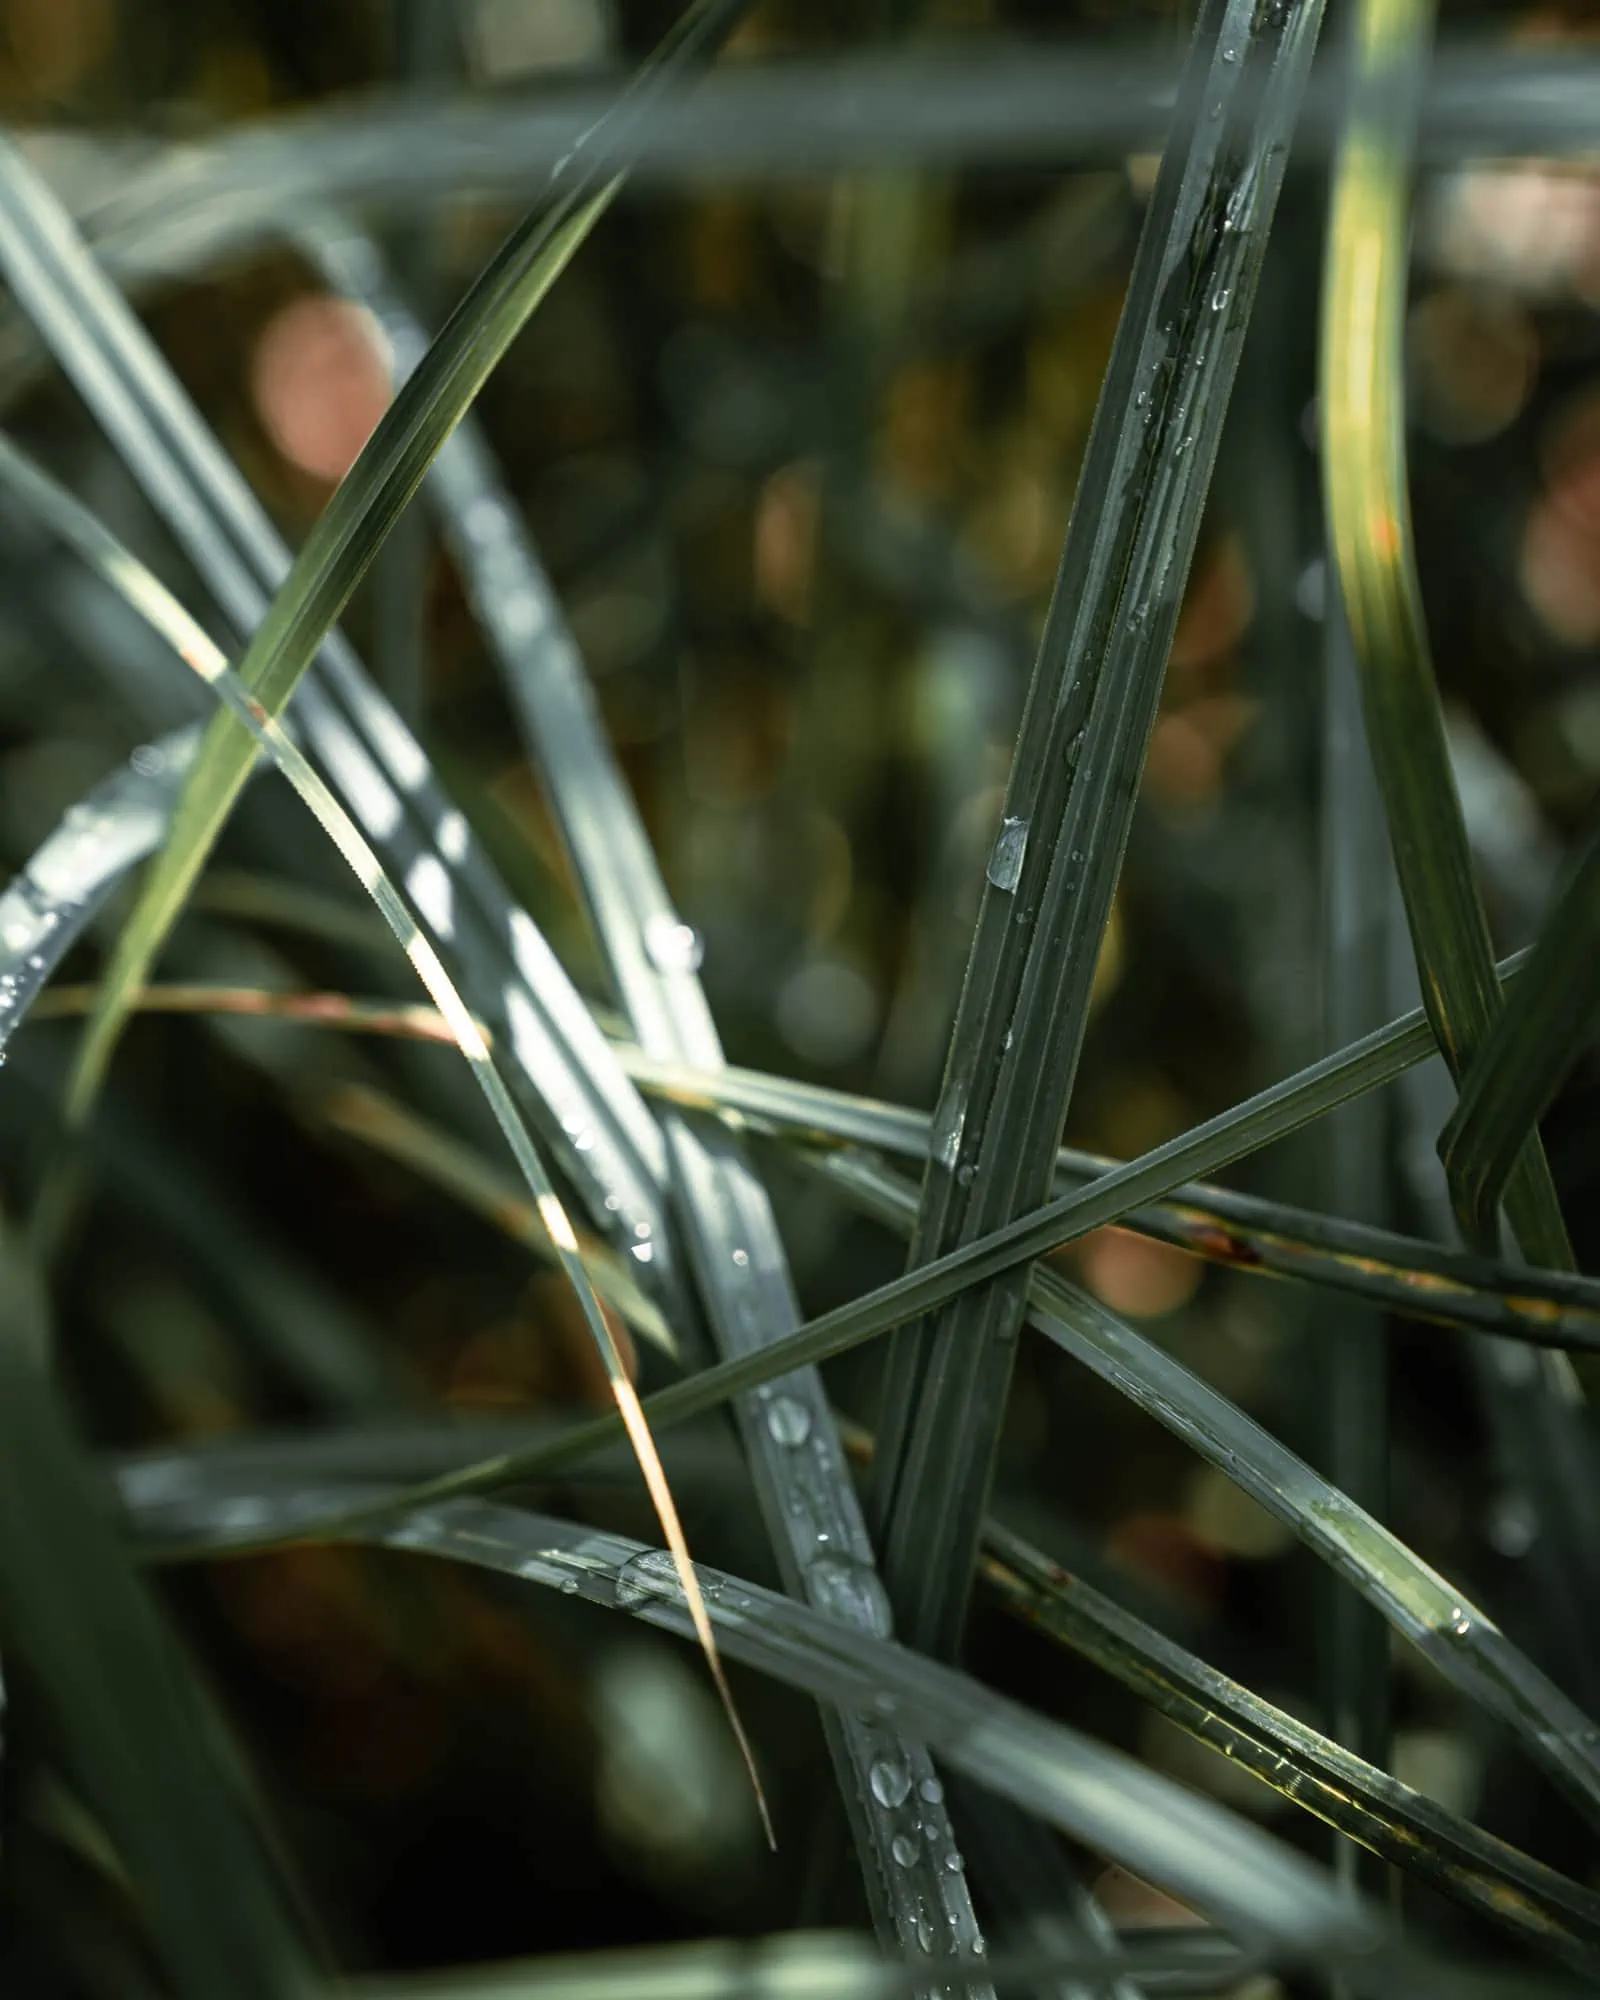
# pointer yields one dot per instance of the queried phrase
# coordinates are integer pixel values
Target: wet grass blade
(1399, 1274)
(112, 1689)
(1527, 1051)
(46, 908)
(804, 1486)
(1459, 1639)
(1369, 514)
(562, 1070)
(1075, 776)
(1356, 1798)
(58, 510)
(1199, 1851)
(1272, 1114)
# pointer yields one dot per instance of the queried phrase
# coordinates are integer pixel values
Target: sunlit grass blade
(1357, 1799)
(1401, 1274)
(1075, 773)
(1202, 1853)
(1369, 515)
(45, 908)
(461, 1171)
(1458, 1638)
(1527, 1051)
(81, 531)
(735, 1251)
(106, 1679)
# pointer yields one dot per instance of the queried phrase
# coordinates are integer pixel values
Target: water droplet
(948, 1121)
(1230, 55)
(149, 760)
(788, 1421)
(884, 1702)
(673, 946)
(966, 1175)
(742, 1259)
(904, 1849)
(569, 1586)
(924, 1930)
(1005, 862)
(952, 1862)
(977, 1947)
(645, 1252)
(1460, 1623)
(1220, 298)
(890, 1782)
(931, 1790)
(653, 1574)
(853, 1593)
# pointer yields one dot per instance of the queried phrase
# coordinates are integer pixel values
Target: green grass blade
(1272, 1114)
(1401, 1274)
(1527, 1051)
(804, 1486)
(1357, 1799)
(46, 908)
(1458, 1638)
(1363, 437)
(1198, 1850)
(1075, 776)
(66, 517)
(113, 1691)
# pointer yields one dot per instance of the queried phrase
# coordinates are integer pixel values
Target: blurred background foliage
(799, 453)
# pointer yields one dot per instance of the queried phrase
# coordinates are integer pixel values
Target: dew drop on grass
(924, 1930)
(653, 1574)
(673, 946)
(932, 1791)
(1460, 1623)
(852, 1592)
(1005, 861)
(952, 1862)
(788, 1421)
(904, 1849)
(890, 1782)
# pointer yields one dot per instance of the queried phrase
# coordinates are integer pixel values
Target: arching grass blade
(58, 510)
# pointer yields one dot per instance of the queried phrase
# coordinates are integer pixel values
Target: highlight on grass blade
(64, 515)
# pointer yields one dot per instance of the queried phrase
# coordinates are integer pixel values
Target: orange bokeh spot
(321, 384)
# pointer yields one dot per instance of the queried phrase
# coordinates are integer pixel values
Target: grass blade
(1458, 1638)
(807, 1495)
(113, 1689)
(1272, 1114)
(58, 510)
(46, 908)
(1403, 1274)
(1075, 774)
(1251, 1884)
(1369, 516)
(1357, 1799)
(1529, 1047)
(562, 1070)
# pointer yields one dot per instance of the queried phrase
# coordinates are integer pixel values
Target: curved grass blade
(1202, 1853)
(80, 530)
(1531, 1044)
(72, 875)
(1369, 516)
(1459, 1639)
(113, 1689)
(802, 1482)
(1357, 1799)
(1401, 1274)
(219, 1483)
(563, 1072)
(1075, 774)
